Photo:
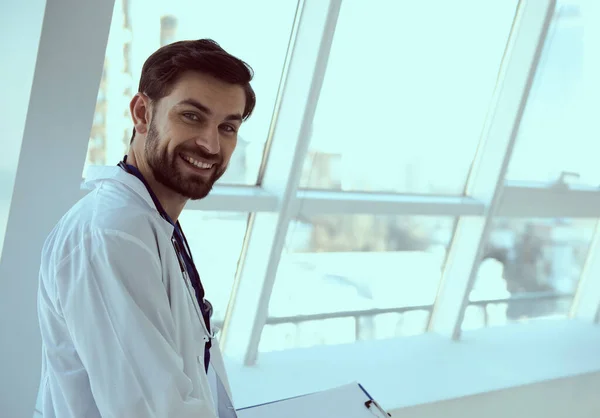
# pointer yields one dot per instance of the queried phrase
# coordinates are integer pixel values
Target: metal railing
(518, 298)
(369, 313)
(357, 315)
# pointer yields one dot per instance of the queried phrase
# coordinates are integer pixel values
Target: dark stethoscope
(178, 239)
(208, 308)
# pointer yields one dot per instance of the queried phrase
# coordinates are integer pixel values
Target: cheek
(227, 148)
(175, 137)
(177, 131)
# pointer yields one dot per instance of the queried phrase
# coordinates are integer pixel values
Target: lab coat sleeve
(118, 313)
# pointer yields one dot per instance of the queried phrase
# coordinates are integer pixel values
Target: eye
(229, 129)
(191, 116)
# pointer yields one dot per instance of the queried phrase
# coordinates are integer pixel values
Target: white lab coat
(120, 329)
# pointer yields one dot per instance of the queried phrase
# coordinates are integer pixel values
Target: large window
(243, 29)
(410, 92)
(406, 94)
(347, 278)
(558, 133)
(530, 269)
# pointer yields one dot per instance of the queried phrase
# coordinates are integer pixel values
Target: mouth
(198, 166)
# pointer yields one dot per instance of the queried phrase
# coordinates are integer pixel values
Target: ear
(140, 112)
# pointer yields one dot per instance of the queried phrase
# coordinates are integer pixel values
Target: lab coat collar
(98, 174)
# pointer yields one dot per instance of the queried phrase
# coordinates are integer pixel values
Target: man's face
(193, 132)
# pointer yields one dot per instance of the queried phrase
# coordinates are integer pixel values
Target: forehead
(220, 97)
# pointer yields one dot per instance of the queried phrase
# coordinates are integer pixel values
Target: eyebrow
(204, 109)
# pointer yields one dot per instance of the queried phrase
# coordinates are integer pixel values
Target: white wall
(574, 397)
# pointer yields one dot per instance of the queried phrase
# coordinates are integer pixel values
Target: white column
(291, 136)
(68, 66)
(487, 176)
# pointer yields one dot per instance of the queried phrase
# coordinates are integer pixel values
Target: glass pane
(559, 123)
(347, 263)
(140, 27)
(538, 258)
(216, 240)
(405, 92)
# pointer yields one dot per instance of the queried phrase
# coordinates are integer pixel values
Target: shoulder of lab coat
(101, 270)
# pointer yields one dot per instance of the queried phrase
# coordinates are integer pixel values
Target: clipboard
(348, 401)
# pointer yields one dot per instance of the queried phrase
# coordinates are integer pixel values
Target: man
(125, 326)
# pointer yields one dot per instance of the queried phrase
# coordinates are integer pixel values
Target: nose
(208, 138)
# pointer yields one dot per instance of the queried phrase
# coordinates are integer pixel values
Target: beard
(166, 171)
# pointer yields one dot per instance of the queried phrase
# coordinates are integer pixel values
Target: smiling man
(125, 324)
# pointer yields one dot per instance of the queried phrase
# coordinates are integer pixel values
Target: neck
(172, 202)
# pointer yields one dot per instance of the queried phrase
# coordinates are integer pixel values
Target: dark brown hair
(165, 66)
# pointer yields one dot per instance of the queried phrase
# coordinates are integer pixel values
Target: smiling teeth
(198, 164)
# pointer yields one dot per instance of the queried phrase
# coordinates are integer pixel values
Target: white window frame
(486, 179)
(307, 62)
(487, 196)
